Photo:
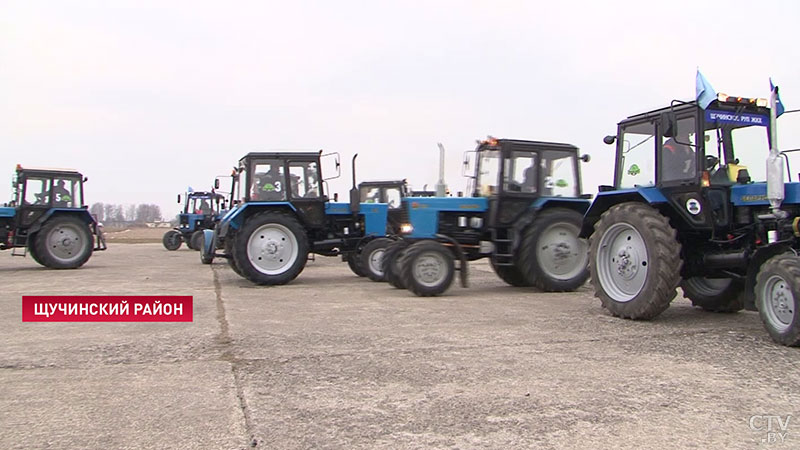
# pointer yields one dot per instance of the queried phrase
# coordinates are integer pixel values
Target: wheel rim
(66, 242)
(622, 262)
(561, 254)
(430, 269)
(778, 302)
(376, 261)
(272, 249)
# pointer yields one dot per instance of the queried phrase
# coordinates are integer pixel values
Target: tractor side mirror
(179, 199)
(330, 163)
(85, 179)
(466, 167)
(610, 139)
(586, 158)
(216, 183)
(668, 125)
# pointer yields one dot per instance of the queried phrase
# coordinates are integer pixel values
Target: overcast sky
(149, 97)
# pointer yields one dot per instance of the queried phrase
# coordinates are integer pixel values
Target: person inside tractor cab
(61, 196)
(269, 185)
(678, 157)
(205, 208)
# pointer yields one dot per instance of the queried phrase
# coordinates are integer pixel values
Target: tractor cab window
(488, 172)
(750, 148)
(370, 194)
(678, 156)
(269, 181)
(521, 173)
(558, 174)
(736, 147)
(200, 205)
(66, 193)
(393, 197)
(37, 191)
(304, 179)
(636, 151)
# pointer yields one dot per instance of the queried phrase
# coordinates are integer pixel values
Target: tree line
(111, 214)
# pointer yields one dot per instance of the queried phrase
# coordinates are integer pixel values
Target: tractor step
(14, 251)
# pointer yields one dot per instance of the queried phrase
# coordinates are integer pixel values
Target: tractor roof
(48, 172)
(534, 145)
(204, 194)
(382, 183)
(303, 156)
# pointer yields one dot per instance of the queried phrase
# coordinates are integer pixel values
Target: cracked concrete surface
(336, 361)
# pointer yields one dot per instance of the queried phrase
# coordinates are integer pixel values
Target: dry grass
(135, 235)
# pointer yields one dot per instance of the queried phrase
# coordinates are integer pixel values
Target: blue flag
(189, 189)
(705, 93)
(779, 109)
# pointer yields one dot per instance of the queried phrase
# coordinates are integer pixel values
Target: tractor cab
(514, 173)
(696, 159)
(389, 192)
(37, 191)
(288, 178)
(204, 203)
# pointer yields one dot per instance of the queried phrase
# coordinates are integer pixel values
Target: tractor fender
(463, 273)
(606, 200)
(56, 212)
(208, 242)
(236, 217)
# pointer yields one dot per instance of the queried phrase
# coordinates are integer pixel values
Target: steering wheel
(711, 162)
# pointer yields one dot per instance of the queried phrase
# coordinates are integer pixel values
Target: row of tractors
(690, 206)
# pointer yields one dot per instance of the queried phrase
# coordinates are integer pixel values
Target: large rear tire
(778, 298)
(172, 240)
(634, 259)
(32, 249)
(64, 243)
(552, 256)
(511, 275)
(393, 263)
(229, 249)
(725, 295)
(371, 260)
(428, 268)
(354, 264)
(271, 248)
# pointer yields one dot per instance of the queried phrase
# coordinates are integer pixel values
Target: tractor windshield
(488, 172)
(201, 205)
(736, 148)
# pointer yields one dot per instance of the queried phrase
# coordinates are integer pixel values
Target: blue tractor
(200, 212)
(282, 214)
(48, 220)
(524, 214)
(368, 261)
(693, 205)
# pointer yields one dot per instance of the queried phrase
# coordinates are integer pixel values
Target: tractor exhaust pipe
(355, 199)
(775, 186)
(441, 187)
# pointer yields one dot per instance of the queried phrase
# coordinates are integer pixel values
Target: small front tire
(428, 268)
(371, 260)
(778, 298)
(172, 240)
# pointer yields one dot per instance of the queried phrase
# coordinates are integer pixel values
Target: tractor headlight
(406, 228)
